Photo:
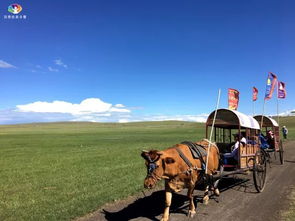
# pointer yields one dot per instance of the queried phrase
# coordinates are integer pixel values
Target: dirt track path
(238, 200)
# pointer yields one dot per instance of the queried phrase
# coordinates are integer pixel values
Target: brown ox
(169, 165)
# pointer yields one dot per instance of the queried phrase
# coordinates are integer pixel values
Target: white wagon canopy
(267, 121)
(226, 118)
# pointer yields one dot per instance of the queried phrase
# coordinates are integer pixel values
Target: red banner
(255, 93)
(281, 90)
(233, 99)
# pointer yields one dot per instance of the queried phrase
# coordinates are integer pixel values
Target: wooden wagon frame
(270, 124)
(250, 156)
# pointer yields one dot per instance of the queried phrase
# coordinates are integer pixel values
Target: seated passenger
(232, 158)
(244, 140)
(263, 141)
(270, 139)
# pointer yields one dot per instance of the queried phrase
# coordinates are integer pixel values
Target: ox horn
(160, 153)
(144, 154)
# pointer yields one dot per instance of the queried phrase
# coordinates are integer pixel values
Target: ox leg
(206, 195)
(168, 200)
(216, 190)
(214, 185)
(192, 208)
(167, 205)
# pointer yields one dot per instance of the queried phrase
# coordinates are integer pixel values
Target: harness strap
(152, 161)
(184, 157)
(194, 147)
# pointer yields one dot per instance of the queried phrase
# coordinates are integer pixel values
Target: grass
(289, 215)
(289, 122)
(59, 171)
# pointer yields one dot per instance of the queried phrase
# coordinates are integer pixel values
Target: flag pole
(278, 118)
(262, 115)
(211, 133)
(253, 107)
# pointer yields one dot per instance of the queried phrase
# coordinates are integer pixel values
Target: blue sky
(141, 60)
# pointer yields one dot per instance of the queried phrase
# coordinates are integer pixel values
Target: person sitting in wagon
(244, 140)
(233, 157)
(271, 139)
(268, 141)
(263, 141)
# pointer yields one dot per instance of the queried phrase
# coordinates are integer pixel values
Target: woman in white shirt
(234, 153)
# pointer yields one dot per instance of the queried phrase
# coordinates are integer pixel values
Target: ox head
(155, 162)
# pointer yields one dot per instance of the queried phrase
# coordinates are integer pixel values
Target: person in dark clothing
(270, 139)
(285, 132)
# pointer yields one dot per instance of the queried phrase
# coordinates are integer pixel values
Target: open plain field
(60, 171)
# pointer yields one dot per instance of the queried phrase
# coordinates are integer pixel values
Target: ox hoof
(191, 213)
(163, 219)
(216, 192)
(206, 200)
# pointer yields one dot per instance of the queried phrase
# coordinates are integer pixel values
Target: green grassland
(289, 215)
(289, 122)
(59, 171)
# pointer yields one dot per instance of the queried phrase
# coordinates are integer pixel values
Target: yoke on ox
(182, 166)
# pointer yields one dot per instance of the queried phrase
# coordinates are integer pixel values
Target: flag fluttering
(233, 99)
(281, 90)
(255, 93)
(270, 85)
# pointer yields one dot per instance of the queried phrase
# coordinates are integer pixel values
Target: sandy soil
(238, 200)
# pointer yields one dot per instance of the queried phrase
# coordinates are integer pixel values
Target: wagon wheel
(281, 150)
(259, 170)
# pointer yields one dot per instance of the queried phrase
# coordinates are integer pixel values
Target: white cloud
(53, 112)
(86, 107)
(52, 69)
(119, 105)
(192, 118)
(60, 63)
(201, 118)
(4, 64)
(287, 113)
(114, 109)
(90, 109)
(123, 120)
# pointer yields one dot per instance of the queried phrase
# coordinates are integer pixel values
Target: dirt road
(238, 200)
